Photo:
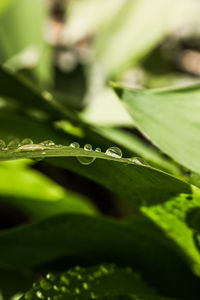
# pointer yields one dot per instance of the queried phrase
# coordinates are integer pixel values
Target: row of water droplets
(114, 152)
(28, 145)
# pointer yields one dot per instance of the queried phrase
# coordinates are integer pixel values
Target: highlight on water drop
(138, 161)
(48, 143)
(2, 145)
(74, 145)
(114, 152)
(98, 149)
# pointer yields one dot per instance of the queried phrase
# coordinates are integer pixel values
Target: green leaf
(133, 32)
(92, 240)
(90, 283)
(4, 4)
(36, 195)
(170, 119)
(138, 147)
(19, 50)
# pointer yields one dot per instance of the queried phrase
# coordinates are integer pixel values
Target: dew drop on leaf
(138, 161)
(14, 144)
(85, 160)
(26, 141)
(85, 286)
(114, 152)
(48, 143)
(75, 145)
(98, 149)
(2, 145)
(88, 147)
(39, 294)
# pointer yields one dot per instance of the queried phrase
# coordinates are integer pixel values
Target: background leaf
(170, 119)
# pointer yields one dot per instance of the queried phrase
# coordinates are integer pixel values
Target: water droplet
(98, 149)
(43, 152)
(26, 142)
(48, 143)
(50, 276)
(75, 145)
(45, 285)
(65, 279)
(55, 287)
(88, 147)
(138, 161)
(85, 286)
(14, 144)
(77, 291)
(114, 152)
(86, 160)
(2, 145)
(64, 289)
(93, 296)
(39, 294)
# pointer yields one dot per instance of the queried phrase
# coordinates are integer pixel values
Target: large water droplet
(14, 144)
(75, 145)
(26, 142)
(48, 143)
(114, 152)
(2, 145)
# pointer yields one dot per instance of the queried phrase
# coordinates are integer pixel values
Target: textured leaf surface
(90, 283)
(95, 240)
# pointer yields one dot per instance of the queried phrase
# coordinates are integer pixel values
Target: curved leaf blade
(170, 119)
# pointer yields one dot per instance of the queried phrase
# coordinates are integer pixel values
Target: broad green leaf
(170, 119)
(36, 195)
(79, 239)
(80, 283)
(133, 32)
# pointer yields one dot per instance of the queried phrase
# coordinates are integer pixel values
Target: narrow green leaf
(129, 177)
(133, 32)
